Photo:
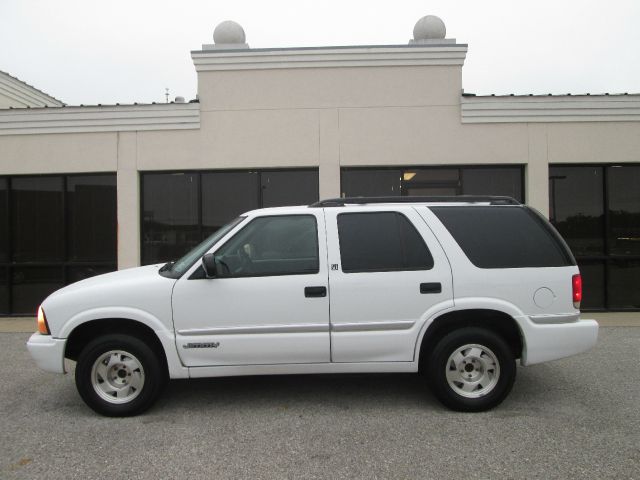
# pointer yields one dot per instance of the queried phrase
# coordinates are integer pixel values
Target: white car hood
(135, 289)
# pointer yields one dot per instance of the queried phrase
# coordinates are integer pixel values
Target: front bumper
(554, 341)
(48, 352)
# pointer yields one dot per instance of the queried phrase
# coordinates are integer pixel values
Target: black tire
(135, 371)
(490, 380)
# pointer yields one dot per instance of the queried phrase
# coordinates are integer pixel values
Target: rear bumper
(554, 341)
(48, 352)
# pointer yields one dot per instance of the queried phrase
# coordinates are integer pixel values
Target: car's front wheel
(471, 369)
(119, 375)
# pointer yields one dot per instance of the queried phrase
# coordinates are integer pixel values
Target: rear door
(387, 274)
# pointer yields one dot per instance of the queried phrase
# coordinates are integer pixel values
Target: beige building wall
(319, 110)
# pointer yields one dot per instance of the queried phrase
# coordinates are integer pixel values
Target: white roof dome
(429, 27)
(229, 32)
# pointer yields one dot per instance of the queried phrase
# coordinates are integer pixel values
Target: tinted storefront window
(576, 207)
(288, 188)
(55, 230)
(91, 216)
(4, 290)
(225, 195)
(179, 210)
(596, 208)
(37, 226)
(623, 193)
(433, 181)
(170, 215)
(4, 221)
(371, 183)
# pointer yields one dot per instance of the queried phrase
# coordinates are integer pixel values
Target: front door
(268, 303)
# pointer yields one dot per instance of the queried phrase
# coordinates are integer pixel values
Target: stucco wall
(311, 117)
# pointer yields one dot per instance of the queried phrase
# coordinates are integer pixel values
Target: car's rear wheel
(119, 375)
(471, 369)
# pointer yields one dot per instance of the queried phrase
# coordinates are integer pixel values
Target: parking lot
(574, 418)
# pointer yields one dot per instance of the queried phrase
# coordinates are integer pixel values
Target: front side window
(274, 245)
(380, 242)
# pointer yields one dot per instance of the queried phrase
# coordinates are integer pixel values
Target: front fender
(164, 334)
(128, 313)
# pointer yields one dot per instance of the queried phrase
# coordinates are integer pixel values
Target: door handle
(435, 287)
(315, 291)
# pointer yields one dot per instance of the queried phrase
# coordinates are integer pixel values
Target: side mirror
(209, 265)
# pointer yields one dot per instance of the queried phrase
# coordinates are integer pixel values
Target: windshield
(178, 268)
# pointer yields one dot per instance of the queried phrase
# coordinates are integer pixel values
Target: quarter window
(379, 242)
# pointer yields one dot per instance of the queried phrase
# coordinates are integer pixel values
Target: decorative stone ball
(228, 32)
(429, 27)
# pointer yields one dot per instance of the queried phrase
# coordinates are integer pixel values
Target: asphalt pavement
(573, 418)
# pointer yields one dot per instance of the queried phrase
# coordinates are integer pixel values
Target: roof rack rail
(490, 199)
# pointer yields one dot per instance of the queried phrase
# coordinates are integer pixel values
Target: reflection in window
(37, 226)
(179, 210)
(624, 278)
(50, 227)
(596, 208)
(281, 187)
(91, 218)
(31, 285)
(576, 207)
(623, 185)
(371, 183)
(226, 195)
(4, 221)
(433, 181)
(4, 291)
(169, 216)
(593, 284)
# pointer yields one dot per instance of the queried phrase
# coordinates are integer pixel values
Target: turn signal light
(576, 285)
(43, 326)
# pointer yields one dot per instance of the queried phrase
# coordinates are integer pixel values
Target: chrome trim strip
(303, 328)
(546, 319)
(372, 326)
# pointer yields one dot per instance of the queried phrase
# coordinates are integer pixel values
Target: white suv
(458, 288)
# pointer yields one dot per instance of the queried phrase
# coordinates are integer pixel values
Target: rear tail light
(576, 286)
(43, 326)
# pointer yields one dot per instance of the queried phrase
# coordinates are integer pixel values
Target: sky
(108, 51)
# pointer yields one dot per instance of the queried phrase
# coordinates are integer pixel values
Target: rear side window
(380, 242)
(505, 237)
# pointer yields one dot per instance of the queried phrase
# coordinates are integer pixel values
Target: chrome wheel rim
(117, 376)
(472, 371)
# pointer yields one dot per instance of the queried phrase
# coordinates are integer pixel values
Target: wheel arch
(91, 329)
(496, 321)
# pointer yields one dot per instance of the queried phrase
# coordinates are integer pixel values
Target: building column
(128, 201)
(537, 173)
(329, 154)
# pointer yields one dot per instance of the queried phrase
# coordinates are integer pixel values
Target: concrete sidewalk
(611, 319)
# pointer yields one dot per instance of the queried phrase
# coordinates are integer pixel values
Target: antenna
(166, 95)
